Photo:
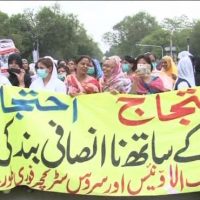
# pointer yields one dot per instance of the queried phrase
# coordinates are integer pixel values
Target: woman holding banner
(47, 77)
(146, 82)
(114, 80)
(81, 82)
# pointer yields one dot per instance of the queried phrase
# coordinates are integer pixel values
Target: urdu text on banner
(100, 144)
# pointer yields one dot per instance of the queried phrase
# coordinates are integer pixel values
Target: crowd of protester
(144, 74)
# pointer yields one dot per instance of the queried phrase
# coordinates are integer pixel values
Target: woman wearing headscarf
(81, 82)
(94, 69)
(184, 54)
(168, 72)
(144, 81)
(114, 80)
(47, 77)
(185, 74)
(17, 75)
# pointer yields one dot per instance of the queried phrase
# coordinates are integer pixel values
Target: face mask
(42, 73)
(62, 76)
(154, 64)
(90, 71)
(125, 67)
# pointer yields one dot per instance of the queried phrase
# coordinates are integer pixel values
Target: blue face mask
(154, 64)
(125, 67)
(62, 76)
(42, 73)
(90, 71)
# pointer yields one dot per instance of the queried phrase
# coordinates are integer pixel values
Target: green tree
(158, 38)
(129, 31)
(195, 39)
(162, 38)
(181, 38)
(3, 24)
(62, 36)
(19, 32)
(57, 34)
(179, 29)
(177, 23)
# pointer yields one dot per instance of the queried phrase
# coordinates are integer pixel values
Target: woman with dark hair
(144, 81)
(129, 66)
(152, 57)
(25, 65)
(71, 66)
(62, 70)
(17, 75)
(81, 82)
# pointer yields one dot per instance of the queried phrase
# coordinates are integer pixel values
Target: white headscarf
(54, 84)
(54, 71)
(183, 54)
(185, 70)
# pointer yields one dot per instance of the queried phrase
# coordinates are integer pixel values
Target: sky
(98, 17)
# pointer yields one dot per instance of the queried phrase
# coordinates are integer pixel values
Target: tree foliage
(159, 38)
(3, 24)
(63, 36)
(177, 23)
(129, 31)
(58, 35)
(144, 29)
(195, 39)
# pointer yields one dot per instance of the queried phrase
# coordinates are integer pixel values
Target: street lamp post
(151, 45)
(171, 41)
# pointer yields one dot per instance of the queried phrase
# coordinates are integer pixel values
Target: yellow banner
(100, 144)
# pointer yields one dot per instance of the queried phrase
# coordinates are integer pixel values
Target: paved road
(20, 193)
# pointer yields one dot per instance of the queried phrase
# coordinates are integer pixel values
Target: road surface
(21, 193)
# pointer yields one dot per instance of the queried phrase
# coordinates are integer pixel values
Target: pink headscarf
(117, 69)
(117, 81)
